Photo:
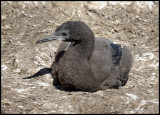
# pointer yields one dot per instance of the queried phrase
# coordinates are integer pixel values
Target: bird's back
(100, 61)
(110, 63)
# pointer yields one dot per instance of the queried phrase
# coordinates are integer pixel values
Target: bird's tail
(40, 73)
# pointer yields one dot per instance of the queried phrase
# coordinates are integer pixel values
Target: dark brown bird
(86, 63)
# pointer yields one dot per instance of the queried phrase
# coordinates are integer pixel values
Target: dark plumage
(88, 63)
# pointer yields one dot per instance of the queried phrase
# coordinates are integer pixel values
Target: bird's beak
(50, 38)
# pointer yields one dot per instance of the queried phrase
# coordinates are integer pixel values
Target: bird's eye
(64, 34)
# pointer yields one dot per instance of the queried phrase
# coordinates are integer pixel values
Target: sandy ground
(134, 24)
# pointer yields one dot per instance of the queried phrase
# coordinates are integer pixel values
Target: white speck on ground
(4, 67)
(132, 96)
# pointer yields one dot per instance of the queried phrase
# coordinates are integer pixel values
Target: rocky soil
(134, 24)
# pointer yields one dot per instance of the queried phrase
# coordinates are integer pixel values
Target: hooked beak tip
(38, 42)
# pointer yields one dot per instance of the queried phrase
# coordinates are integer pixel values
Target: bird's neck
(84, 49)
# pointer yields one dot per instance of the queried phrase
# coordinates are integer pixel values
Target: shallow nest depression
(134, 24)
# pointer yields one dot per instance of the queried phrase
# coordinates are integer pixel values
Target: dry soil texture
(134, 24)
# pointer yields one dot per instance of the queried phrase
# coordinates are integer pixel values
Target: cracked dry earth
(125, 23)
